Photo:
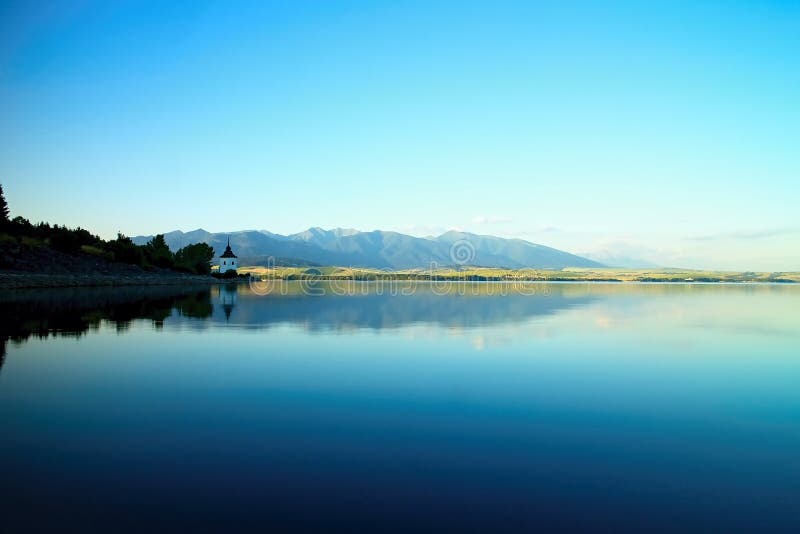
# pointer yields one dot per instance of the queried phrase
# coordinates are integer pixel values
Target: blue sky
(667, 131)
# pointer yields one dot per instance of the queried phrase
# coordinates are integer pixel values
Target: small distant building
(227, 262)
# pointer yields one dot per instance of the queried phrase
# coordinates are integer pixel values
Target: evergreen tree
(124, 250)
(3, 208)
(158, 253)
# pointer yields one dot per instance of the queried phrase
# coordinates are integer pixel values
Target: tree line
(155, 254)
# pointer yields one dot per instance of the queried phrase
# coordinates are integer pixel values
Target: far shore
(490, 274)
(136, 277)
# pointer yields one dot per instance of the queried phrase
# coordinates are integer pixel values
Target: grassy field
(493, 274)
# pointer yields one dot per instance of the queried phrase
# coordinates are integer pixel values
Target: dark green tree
(21, 226)
(158, 253)
(124, 250)
(64, 240)
(71, 240)
(3, 209)
(195, 258)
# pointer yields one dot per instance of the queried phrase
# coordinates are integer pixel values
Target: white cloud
(764, 233)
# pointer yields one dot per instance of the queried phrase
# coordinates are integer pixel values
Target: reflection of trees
(197, 306)
(72, 312)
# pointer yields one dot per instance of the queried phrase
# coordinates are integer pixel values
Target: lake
(472, 407)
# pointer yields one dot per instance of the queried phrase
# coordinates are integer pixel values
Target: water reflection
(72, 312)
(75, 311)
(322, 306)
(590, 406)
(371, 306)
(227, 298)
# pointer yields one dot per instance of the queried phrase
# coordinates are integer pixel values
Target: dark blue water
(572, 406)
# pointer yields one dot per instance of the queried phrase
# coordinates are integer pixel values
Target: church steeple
(227, 261)
(228, 252)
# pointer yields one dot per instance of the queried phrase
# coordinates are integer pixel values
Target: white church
(227, 262)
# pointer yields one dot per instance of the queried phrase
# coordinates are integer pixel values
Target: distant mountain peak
(452, 235)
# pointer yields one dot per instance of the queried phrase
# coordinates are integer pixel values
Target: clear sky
(668, 131)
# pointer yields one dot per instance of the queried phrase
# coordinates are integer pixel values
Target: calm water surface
(585, 406)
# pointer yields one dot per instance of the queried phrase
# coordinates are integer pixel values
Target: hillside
(27, 265)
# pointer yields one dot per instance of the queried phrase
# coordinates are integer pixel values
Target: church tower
(227, 262)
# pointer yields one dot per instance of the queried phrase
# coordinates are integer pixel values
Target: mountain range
(378, 249)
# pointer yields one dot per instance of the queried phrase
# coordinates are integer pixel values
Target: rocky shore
(20, 280)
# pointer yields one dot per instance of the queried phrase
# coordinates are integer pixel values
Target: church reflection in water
(227, 298)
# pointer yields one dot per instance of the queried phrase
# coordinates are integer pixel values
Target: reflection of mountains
(74, 311)
(375, 311)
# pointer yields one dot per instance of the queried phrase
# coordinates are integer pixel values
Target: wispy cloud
(492, 219)
(745, 234)
(533, 233)
(623, 251)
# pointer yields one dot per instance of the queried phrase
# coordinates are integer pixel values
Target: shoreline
(23, 280)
